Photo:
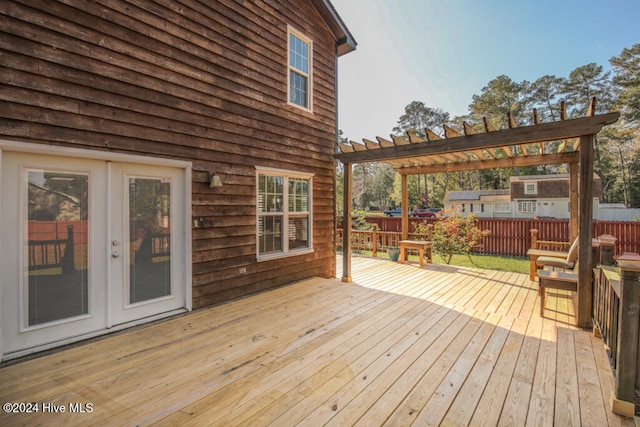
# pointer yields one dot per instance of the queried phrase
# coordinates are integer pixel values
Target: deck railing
(376, 241)
(512, 236)
(616, 303)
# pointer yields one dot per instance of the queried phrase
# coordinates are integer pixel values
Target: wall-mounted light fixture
(215, 181)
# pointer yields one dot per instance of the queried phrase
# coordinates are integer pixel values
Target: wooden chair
(544, 248)
(558, 273)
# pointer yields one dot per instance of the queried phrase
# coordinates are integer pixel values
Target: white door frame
(82, 153)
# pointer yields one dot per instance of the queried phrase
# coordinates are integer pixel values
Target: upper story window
(530, 188)
(300, 50)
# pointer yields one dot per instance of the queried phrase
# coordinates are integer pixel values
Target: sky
(442, 52)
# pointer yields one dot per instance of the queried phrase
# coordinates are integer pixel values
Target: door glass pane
(149, 229)
(57, 249)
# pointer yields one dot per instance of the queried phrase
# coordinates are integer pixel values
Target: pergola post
(573, 201)
(346, 224)
(405, 208)
(585, 285)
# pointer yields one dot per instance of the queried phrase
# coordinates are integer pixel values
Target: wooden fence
(513, 236)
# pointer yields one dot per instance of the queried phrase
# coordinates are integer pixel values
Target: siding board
(185, 79)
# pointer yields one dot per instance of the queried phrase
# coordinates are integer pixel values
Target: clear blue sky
(442, 52)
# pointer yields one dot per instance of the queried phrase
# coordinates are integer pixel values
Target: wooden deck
(400, 345)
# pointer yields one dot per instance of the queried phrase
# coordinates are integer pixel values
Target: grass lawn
(488, 262)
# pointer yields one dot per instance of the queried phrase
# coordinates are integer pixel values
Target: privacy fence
(512, 236)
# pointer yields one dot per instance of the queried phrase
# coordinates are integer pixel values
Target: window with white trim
(530, 188)
(300, 50)
(527, 206)
(284, 223)
(502, 207)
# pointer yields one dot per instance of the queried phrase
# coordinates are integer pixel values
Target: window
(530, 188)
(502, 207)
(299, 70)
(527, 206)
(284, 222)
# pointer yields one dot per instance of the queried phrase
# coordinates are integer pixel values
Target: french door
(87, 245)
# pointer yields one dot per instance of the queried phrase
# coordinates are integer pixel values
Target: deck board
(400, 345)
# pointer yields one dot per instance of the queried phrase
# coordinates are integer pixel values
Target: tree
(382, 185)
(501, 96)
(416, 118)
(340, 179)
(584, 83)
(542, 96)
(456, 234)
(627, 80)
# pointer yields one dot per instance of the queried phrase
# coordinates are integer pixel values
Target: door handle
(115, 254)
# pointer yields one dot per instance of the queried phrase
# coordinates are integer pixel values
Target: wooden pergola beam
(523, 135)
(510, 162)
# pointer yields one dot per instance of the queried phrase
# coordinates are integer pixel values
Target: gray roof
(346, 42)
(475, 194)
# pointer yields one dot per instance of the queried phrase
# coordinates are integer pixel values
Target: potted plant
(393, 252)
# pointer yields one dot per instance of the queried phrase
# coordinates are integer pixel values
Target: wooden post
(573, 201)
(405, 208)
(534, 238)
(627, 375)
(374, 242)
(585, 284)
(607, 243)
(346, 225)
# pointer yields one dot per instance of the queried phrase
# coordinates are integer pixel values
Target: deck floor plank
(542, 405)
(516, 406)
(592, 405)
(567, 411)
(399, 345)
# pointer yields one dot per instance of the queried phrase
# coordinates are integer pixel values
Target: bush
(360, 222)
(456, 234)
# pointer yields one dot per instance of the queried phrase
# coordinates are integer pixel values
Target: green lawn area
(488, 262)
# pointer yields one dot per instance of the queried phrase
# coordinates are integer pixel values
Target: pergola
(492, 149)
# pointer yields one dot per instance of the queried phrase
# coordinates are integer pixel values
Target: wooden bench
(420, 245)
(534, 254)
(561, 280)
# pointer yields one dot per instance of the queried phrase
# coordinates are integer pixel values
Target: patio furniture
(563, 274)
(420, 245)
(534, 254)
(562, 280)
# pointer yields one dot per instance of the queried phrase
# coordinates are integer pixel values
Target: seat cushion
(544, 261)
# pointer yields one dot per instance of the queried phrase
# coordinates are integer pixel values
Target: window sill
(289, 254)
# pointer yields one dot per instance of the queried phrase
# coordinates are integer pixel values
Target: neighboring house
(195, 140)
(528, 197)
(482, 203)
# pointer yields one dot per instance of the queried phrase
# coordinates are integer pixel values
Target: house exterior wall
(204, 82)
(550, 188)
(557, 208)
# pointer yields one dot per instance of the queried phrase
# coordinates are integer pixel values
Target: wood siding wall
(204, 81)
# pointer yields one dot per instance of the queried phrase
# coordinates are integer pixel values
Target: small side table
(420, 245)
